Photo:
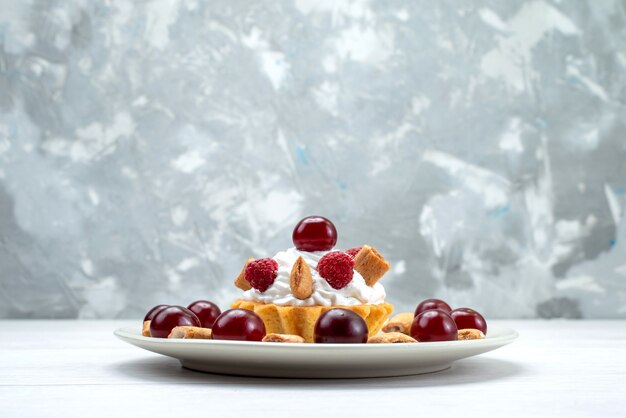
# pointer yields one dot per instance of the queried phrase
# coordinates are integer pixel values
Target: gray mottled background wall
(147, 148)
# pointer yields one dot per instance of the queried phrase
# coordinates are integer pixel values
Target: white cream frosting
(357, 292)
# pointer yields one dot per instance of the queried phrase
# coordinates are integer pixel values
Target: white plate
(317, 360)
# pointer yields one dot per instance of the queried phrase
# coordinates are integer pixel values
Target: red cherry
(168, 318)
(153, 312)
(434, 325)
(430, 304)
(207, 312)
(314, 233)
(340, 326)
(238, 324)
(469, 318)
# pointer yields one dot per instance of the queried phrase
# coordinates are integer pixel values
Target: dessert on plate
(313, 292)
(292, 289)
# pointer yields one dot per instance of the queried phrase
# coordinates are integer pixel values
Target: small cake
(292, 289)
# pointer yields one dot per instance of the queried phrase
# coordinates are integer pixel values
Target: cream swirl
(357, 292)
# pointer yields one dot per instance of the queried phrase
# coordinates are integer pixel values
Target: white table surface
(78, 368)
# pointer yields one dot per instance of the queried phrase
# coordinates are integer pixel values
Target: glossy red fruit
(469, 318)
(430, 304)
(434, 325)
(340, 326)
(337, 268)
(153, 312)
(261, 273)
(314, 233)
(352, 252)
(168, 318)
(207, 312)
(238, 324)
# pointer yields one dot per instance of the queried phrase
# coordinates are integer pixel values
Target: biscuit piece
(282, 338)
(470, 334)
(370, 264)
(146, 329)
(399, 323)
(241, 281)
(191, 333)
(300, 280)
(391, 338)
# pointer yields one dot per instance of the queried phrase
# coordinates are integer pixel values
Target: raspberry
(261, 273)
(336, 268)
(352, 252)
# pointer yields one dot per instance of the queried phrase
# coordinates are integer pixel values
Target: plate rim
(133, 333)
